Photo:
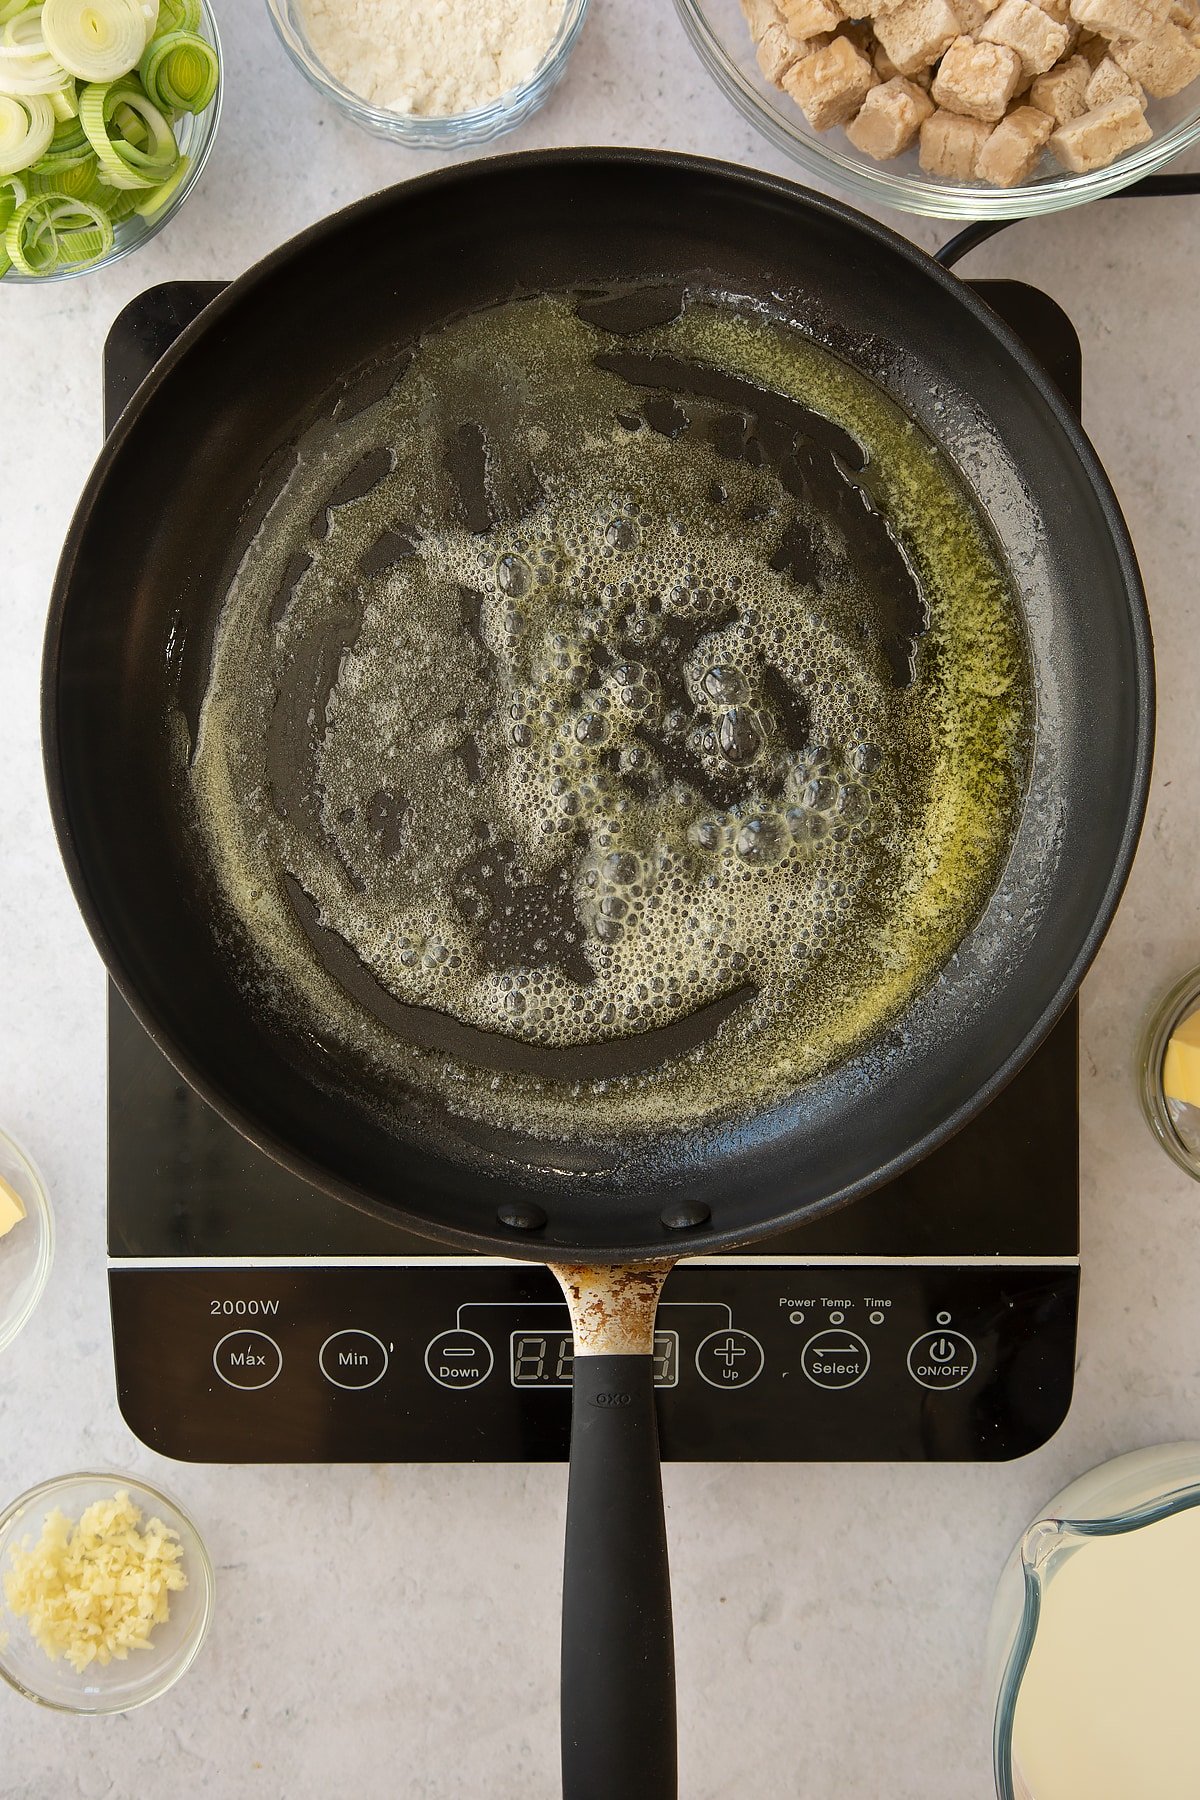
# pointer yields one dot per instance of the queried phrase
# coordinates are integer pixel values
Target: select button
(247, 1359)
(940, 1360)
(835, 1359)
(353, 1359)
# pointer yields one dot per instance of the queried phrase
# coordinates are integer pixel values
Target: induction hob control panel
(756, 1361)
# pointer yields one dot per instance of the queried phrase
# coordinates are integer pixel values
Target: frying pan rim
(706, 1240)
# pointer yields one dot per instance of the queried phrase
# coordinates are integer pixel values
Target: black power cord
(1154, 187)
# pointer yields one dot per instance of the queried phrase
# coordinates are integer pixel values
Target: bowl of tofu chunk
(962, 108)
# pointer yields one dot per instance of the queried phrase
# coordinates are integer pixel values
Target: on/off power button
(940, 1360)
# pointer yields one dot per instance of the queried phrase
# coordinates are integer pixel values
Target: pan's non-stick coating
(157, 535)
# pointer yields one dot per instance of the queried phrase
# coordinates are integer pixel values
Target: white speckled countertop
(392, 1631)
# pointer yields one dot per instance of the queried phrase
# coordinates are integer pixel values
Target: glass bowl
(1134, 1491)
(27, 1251)
(195, 133)
(1166, 1119)
(431, 132)
(721, 36)
(144, 1674)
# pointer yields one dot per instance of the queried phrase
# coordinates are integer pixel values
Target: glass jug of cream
(1094, 1642)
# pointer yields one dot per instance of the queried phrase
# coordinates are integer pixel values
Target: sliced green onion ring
(26, 65)
(76, 175)
(178, 15)
(148, 206)
(124, 164)
(44, 232)
(26, 131)
(95, 40)
(179, 71)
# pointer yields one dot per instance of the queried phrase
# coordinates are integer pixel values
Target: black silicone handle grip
(618, 1651)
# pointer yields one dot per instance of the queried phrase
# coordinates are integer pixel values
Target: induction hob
(255, 1319)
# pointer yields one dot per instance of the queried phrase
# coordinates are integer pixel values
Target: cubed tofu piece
(777, 53)
(950, 144)
(1059, 10)
(973, 15)
(1014, 149)
(1109, 81)
(889, 119)
(876, 9)
(1092, 47)
(1139, 19)
(977, 79)
(805, 18)
(885, 68)
(830, 85)
(1038, 39)
(860, 33)
(1097, 138)
(1162, 64)
(1059, 92)
(915, 35)
(1185, 14)
(760, 16)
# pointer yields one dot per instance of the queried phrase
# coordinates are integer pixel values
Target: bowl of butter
(26, 1239)
(1169, 1072)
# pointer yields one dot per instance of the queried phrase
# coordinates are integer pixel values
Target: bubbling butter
(580, 682)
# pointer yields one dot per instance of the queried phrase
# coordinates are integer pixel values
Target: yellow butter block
(12, 1208)
(1181, 1064)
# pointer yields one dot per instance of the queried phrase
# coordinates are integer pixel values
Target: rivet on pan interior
(521, 1215)
(684, 1214)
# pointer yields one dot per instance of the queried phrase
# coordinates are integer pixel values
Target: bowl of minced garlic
(105, 1593)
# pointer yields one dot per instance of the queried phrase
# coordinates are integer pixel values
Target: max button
(247, 1359)
(729, 1358)
(353, 1359)
(940, 1360)
(458, 1359)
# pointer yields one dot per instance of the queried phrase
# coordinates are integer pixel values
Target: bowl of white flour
(431, 73)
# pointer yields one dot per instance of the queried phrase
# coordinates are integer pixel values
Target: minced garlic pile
(95, 1590)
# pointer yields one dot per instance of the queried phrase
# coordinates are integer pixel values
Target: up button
(940, 1360)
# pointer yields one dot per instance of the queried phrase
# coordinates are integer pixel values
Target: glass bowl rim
(1176, 1003)
(12, 1326)
(1045, 1535)
(168, 1673)
(209, 118)
(924, 195)
(479, 119)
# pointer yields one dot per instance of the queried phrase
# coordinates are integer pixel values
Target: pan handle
(618, 1652)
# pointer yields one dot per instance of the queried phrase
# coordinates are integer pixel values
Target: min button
(941, 1359)
(247, 1359)
(353, 1359)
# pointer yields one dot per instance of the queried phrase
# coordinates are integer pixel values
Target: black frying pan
(158, 532)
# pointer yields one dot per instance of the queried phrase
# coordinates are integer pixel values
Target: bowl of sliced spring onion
(108, 110)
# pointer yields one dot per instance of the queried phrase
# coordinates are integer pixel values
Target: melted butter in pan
(613, 722)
